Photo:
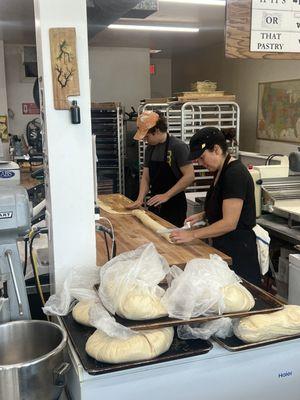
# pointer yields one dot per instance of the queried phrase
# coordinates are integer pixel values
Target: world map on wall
(279, 111)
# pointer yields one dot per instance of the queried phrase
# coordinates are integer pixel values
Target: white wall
(19, 89)
(119, 74)
(161, 80)
(240, 77)
(3, 98)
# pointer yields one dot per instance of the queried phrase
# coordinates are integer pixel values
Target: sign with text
(30, 108)
(275, 26)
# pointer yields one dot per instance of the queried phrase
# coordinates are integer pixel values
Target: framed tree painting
(279, 111)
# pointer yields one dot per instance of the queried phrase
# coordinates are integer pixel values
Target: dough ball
(257, 328)
(81, 312)
(237, 298)
(138, 305)
(144, 346)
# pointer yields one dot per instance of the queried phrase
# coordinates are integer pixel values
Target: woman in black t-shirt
(229, 205)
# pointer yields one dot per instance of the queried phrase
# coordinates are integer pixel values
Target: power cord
(108, 231)
(32, 235)
(268, 160)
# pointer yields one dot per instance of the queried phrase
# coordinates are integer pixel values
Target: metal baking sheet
(264, 303)
(79, 335)
(233, 343)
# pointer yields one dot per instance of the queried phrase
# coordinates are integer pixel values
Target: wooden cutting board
(130, 233)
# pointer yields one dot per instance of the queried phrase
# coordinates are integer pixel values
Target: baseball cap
(204, 139)
(145, 121)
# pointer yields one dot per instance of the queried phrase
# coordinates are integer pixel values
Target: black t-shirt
(178, 154)
(235, 182)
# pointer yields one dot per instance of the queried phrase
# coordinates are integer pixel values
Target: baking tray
(233, 343)
(79, 335)
(264, 303)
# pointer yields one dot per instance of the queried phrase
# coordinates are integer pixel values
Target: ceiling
(17, 26)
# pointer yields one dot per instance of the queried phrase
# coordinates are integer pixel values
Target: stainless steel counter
(278, 227)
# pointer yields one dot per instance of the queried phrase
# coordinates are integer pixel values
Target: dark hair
(219, 140)
(161, 124)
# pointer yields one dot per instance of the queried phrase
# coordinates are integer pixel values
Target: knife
(185, 227)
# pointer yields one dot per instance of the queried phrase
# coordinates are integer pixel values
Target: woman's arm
(186, 180)
(231, 209)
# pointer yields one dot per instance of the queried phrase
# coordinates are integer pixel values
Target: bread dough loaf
(257, 328)
(151, 224)
(140, 305)
(81, 312)
(237, 298)
(114, 204)
(135, 302)
(144, 346)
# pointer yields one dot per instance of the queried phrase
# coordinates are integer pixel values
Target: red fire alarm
(152, 69)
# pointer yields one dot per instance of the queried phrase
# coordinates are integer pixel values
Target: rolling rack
(184, 119)
(107, 126)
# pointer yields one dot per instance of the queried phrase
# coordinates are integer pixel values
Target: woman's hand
(158, 199)
(192, 219)
(134, 205)
(182, 236)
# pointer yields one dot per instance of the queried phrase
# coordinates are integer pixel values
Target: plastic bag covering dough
(205, 287)
(114, 204)
(257, 328)
(151, 224)
(129, 284)
(81, 312)
(77, 285)
(144, 346)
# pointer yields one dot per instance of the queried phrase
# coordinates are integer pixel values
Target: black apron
(162, 178)
(239, 244)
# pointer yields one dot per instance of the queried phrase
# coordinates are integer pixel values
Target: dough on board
(151, 224)
(260, 327)
(114, 203)
(143, 346)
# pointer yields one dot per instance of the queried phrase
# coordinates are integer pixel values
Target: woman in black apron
(162, 179)
(231, 177)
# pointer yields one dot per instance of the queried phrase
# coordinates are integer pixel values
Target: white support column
(4, 150)
(68, 148)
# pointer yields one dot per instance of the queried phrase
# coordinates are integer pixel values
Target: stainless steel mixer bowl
(31, 360)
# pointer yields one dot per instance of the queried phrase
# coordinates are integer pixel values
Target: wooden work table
(130, 233)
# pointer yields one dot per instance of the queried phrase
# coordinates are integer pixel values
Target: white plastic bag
(221, 327)
(197, 290)
(263, 243)
(129, 283)
(101, 319)
(77, 286)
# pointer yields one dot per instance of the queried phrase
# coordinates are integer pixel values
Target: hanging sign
(275, 26)
(30, 108)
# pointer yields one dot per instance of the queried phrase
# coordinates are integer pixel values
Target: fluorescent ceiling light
(205, 2)
(153, 28)
(154, 51)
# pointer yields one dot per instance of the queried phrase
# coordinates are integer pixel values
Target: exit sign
(152, 69)
(275, 26)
